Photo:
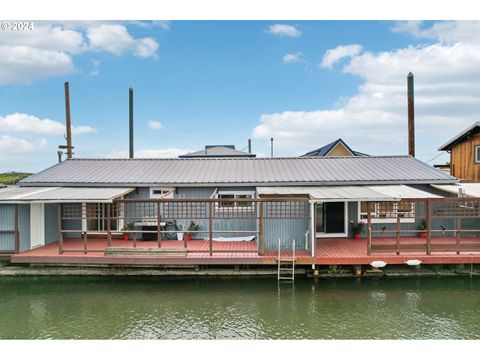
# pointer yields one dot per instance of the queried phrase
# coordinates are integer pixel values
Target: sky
(304, 83)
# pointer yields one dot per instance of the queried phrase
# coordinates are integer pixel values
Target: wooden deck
(334, 251)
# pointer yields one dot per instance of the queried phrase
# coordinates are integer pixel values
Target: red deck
(329, 252)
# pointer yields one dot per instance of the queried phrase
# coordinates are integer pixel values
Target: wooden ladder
(286, 265)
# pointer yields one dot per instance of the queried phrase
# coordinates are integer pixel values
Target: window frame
(376, 220)
(477, 154)
(162, 195)
(237, 194)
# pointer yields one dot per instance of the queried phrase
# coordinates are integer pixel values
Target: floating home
(231, 211)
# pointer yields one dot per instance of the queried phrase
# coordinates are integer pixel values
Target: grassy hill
(12, 177)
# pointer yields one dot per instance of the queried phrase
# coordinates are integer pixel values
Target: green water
(158, 308)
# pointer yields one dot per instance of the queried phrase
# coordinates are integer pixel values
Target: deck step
(155, 252)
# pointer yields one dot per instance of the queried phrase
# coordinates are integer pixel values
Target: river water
(159, 308)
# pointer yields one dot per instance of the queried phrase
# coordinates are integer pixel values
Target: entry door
(330, 218)
(37, 225)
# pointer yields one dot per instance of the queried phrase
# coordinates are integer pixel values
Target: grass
(12, 177)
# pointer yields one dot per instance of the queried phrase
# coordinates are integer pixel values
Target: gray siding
(7, 240)
(51, 234)
(24, 226)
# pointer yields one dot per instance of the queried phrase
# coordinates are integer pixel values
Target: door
(330, 219)
(37, 225)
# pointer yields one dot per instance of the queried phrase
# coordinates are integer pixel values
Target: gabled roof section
(325, 150)
(464, 134)
(217, 151)
(351, 170)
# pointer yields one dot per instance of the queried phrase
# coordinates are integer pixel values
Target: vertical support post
(261, 249)
(369, 229)
(411, 116)
(130, 123)
(397, 235)
(109, 225)
(159, 228)
(59, 229)
(85, 240)
(210, 228)
(68, 121)
(458, 233)
(313, 216)
(428, 219)
(17, 234)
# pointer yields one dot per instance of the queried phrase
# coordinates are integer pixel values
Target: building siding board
(7, 240)
(24, 226)
(51, 233)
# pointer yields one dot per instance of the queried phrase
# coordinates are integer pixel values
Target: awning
(18, 194)
(352, 193)
(468, 189)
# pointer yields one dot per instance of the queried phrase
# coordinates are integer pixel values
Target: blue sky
(222, 82)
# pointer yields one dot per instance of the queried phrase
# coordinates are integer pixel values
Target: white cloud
(333, 56)
(150, 153)
(24, 123)
(374, 120)
(15, 146)
(49, 49)
(162, 24)
(284, 30)
(292, 58)
(447, 32)
(155, 125)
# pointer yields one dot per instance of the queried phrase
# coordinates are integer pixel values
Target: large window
(384, 212)
(477, 154)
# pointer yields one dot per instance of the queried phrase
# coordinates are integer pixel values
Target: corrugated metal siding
(7, 240)
(24, 226)
(307, 170)
(286, 230)
(51, 234)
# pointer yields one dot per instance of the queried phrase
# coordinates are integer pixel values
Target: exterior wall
(7, 240)
(51, 234)
(463, 164)
(339, 150)
(286, 230)
(72, 224)
(24, 226)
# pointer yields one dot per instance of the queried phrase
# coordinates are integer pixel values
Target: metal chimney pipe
(249, 146)
(68, 121)
(130, 98)
(59, 154)
(411, 116)
(271, 147)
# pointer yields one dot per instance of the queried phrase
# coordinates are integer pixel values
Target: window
(383, 212)
(477, 154)
(235, 195)
(157, 193)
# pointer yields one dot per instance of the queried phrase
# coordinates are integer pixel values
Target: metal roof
(16, 194)
(469, 189)
(325, 150)
(217, 151)
(459, 137)
(358, 193)
(242, 171)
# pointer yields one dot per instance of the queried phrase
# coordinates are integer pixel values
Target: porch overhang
(348, 193)
(463, 189)
(27, 195)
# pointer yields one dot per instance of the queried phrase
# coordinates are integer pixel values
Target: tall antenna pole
(68, 121)
(411, 116)
(130, 98)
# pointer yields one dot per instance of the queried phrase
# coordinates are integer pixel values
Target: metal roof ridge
(224, 158)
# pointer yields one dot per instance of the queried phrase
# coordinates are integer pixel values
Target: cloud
(162, 24)
(15, 146)
(446, 32)
(24, 123)
(155, 125)
(292, 58)
(332, 56)
(374, 120)
(150, 153)
(284, 30)
(50, 48)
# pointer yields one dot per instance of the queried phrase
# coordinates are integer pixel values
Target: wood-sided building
(464, 151)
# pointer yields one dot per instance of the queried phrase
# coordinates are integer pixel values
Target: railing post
(397, 235)
(313, 209)
(16, 232)
(109, 226)
(159, 228)
(85, 239)
(261, 250)
(59, 229)
(369, 229)
(210, 228)
(428, 219)
(457, 233)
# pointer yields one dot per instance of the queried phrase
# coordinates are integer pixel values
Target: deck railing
(447, 225)
(155, 219)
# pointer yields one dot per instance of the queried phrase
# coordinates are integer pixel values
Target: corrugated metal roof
(458, 137)
(242, 171)
(328, 193)
(469, 189)
(403, 192)
(17, 194)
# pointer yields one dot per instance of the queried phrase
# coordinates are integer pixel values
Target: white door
(37, 225)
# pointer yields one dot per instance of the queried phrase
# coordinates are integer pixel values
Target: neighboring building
(464, 151)
(335, 148)
(218, 151)
(336, 191)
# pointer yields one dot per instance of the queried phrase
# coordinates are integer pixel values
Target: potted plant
(179, 234)
(127, 227)
(423, 226)
(191, 230)
(357, 229)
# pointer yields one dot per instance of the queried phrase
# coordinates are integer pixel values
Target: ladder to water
(286, 264)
